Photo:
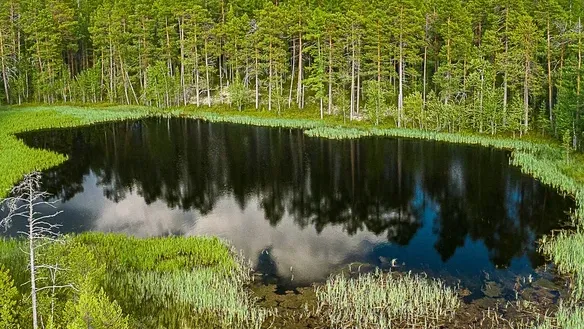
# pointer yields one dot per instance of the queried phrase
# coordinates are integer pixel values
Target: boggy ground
(534, 303)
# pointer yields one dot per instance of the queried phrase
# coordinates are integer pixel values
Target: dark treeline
(491, 66)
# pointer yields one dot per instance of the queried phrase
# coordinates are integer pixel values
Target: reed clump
(172, 279)
(386, 300)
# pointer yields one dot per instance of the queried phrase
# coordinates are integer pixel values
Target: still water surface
(301, 208)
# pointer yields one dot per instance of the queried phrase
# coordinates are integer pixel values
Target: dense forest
(491, 66)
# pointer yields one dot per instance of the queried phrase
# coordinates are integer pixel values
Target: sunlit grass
(171, 282)
(386, 300)
(543, 159)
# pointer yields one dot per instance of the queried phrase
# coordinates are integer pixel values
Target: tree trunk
(197, 79)
(257, 81)
(293, 72)
(505, 90)
(400, 98)
(352, 78)
(299, 90)
(358, 97)
(31, 255)
(4, 69)
(270, 80)
(182, 61)
(549, 68)
(330, 82)
(207, 74)
(526, 95)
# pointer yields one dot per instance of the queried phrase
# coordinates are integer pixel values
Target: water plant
(386, 300)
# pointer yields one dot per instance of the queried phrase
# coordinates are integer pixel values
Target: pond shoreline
(543, 159)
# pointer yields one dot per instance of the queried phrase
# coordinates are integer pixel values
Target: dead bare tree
(26, 198)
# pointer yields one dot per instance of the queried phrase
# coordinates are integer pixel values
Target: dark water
(301, 208)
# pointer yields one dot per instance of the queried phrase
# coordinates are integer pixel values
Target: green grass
(566, 250)
(173, 282)
(16, 159)
(386, 300)
(196, 280)
(543, 159)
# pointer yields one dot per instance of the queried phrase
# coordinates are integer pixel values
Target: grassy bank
(123, 282)
(544, 159)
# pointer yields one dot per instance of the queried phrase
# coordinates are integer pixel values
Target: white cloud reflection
(312, 256)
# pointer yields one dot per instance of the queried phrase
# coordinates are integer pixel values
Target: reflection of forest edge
(385, 186)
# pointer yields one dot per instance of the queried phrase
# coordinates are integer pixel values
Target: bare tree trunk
(270, 80)
(526, 95)
(549, 67)
(293, 73)
(400, 98)
(579, 79)
(182, 61)
(505, 89)
(4, 69)
(207, 75)
(481, 100)
(31, 255)
(330, 82)
(257, 82)
(425, 73)
(197, 79)
(352, 73)
(358, 96)
(299, 90)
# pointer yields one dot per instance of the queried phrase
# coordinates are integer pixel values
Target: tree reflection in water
(315, 204)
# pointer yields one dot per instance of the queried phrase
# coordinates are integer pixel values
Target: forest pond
(301, 208)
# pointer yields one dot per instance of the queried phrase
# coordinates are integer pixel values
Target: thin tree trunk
(352, 77)
(481, 100)
(3, 62)
(358, 103)
(32, 256)
(207, 74)
(400, 99)
(182, 61)
(299, 90)
(270, 80)
(505, 90)
(330, 82)
(526, 95)
(549, 67)
(197, 79)
(257, 81)
(293, 72)
(578, 80)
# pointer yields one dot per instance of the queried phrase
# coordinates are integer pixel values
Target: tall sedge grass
(567, 317)
(212, 298)
(186, 282)
(386, 300)
(566, 250)
(198, 279)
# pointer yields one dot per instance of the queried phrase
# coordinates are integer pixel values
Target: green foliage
(114, 281)
(9, 297)
(487, 63)
(94, 310)
(129, 260)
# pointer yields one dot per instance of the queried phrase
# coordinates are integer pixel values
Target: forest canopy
(491, 66)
